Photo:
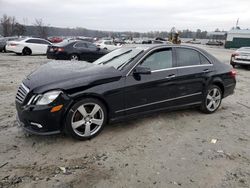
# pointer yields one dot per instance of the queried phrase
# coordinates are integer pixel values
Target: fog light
(37, 125)
(56, 108)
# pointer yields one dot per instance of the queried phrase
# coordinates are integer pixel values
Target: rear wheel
(27, 51)
(86, 119)
(4, 49)
(212, 99)
(74, 57)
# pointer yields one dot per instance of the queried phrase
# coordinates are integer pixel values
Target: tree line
(9, 26)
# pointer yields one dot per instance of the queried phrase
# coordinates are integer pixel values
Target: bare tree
(5, 22)
(19, 29)
(11, 26)
(41, 28)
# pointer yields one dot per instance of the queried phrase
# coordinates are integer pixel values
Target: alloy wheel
(213, 99)
(74, 57)
(87, 120)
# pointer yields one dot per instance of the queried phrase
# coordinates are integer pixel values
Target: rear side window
(204, 60)
(187, 57)
(91, 46)
(161, 59)
(80, 45)
(32, 41)
(44, 42)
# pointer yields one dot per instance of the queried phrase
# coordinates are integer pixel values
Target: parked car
(28, 46)
(215, 43)
(3, 42)
(55, 39)
(107, 45)
(80, 98)
(241, 57)
(155, 42)
(75, 50)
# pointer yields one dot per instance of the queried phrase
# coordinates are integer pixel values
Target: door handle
(206, 71)
(170, 76)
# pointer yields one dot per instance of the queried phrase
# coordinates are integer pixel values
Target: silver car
(3, 42)
(241, 57)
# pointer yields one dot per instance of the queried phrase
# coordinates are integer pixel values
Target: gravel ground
(171, 149)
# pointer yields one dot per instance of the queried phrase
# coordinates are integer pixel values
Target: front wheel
(86, 119)
(212, 99)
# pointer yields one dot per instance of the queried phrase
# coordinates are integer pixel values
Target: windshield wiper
(104, 62)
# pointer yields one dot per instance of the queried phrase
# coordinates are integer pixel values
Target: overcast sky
(132, 15)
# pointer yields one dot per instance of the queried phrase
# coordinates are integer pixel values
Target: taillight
(60, 49)
(235, 54)
(12, 44)
(233, 73)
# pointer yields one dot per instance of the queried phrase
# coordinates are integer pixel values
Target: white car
(28, 46)
(241, 57)
(107, 45)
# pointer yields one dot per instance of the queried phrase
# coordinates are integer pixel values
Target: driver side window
(160, 59)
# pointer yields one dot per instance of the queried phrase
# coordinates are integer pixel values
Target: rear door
(194, 70)
(94, 52)
(43, 46)
(82, 50)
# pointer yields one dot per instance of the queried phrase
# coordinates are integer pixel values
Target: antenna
(237, 23)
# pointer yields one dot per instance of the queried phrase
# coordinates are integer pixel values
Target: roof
(239, 31)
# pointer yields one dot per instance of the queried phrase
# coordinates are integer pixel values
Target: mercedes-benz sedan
(80, 98)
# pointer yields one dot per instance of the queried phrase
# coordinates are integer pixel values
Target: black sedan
(81, 98)
(75, 50)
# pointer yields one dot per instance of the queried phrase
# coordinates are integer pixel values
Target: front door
(151, 91)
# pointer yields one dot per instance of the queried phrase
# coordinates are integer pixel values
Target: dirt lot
(171, 149)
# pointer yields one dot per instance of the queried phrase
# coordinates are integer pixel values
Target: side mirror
(142, 70)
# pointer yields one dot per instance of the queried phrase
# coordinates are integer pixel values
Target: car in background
(55, 39)
(28, 46)
(80, 98)
(241, 57)
(215, 43)
(3, 42)
(156, 42)
(107, 45)
(75, 50)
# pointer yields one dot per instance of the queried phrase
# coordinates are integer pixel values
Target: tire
(211, 100)
(80, 120)
(74, 57)
(27, 51)
(4, 49)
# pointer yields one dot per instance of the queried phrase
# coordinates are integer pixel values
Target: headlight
(48, 97)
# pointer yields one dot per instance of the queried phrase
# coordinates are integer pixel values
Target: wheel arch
(81, 97)
(218, 82)
(91, 95)
(27, 48)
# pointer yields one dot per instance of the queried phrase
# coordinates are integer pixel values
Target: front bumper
(39, 120)
(33, 131)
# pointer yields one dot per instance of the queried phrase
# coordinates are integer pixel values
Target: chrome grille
(21, 93)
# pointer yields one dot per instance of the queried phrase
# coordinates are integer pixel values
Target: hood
(67, 75)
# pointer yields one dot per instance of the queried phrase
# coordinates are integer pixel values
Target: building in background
(237, 38)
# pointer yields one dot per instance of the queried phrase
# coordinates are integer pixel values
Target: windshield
(119, 58)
